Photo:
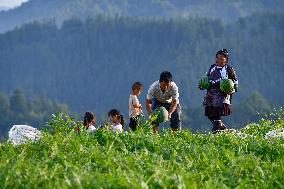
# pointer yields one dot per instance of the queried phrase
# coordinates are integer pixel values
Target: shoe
(218, 126)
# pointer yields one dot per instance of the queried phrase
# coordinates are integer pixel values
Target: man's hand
(172, 108)
(169, 116)
(148, 106)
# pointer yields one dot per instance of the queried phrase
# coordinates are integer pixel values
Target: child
(135, 108)
(117, 120)
(218, 103)
(89, 121)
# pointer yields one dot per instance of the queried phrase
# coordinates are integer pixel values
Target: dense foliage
(64, 158)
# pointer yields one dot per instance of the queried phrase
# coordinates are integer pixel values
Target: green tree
(18, 102)
(251, 109)
(4, 108)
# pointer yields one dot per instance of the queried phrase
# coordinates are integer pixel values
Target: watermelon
(204, 82)
(160, 115)
(227, 86)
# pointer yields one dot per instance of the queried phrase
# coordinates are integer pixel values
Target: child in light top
(117, 120)
(135, 108)
(89, 121)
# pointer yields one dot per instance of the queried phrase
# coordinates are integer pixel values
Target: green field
(66, 159)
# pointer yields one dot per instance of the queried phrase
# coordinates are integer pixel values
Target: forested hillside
(93, 63)
(61, 10)
(17, 109)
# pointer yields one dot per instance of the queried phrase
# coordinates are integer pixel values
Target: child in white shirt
(89, 121)
(117, 120)
(135, 108)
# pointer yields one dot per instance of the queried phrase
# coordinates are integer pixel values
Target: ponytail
(115, 112)
(121, 120)
(88, 117)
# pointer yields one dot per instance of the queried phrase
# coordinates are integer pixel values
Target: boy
(135, 108)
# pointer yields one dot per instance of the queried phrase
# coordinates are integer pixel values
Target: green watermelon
(204, 82)
(160, 115)
(227, 85)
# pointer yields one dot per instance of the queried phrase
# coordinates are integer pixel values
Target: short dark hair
(136, 85)
(224, 53)
(166, 77)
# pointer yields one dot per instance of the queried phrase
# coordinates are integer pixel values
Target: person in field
(89, 121)
(117, 120)
(164, 92)
(216, 102)
(134, 106)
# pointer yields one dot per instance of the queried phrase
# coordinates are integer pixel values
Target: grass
(64, 158)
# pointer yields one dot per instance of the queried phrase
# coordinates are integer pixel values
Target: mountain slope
(61, 10)
(3, 8)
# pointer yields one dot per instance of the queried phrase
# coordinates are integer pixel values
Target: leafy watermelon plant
(271, 121)
(65, 158)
